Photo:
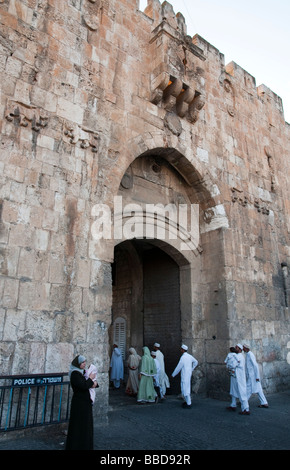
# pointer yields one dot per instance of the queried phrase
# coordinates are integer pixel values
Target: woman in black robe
(80, 429)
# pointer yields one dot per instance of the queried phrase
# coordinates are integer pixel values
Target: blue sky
(253, 33)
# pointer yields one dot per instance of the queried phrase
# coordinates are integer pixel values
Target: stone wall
(86, 88)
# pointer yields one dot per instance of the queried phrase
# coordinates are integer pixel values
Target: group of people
(245, 378)
(147, 379)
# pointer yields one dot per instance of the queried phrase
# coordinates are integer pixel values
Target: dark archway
(162, 322)
(146, 293)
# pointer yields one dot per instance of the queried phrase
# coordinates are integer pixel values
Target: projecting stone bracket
(175, 96)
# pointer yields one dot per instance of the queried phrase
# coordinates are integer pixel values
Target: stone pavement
(169, 427)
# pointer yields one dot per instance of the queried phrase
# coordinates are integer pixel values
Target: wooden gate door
(162, 309)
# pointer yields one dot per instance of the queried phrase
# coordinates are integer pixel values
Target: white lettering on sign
(28, 381)
(51, 380)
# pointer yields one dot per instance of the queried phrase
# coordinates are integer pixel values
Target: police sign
(28, 381)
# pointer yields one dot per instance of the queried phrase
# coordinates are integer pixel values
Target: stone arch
(183, 250)
(194, 172)
(199, 270)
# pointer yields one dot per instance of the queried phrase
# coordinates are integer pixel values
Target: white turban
(246, 346)
(157, 345)
(239, 346)
(184, 347)
(153, 353)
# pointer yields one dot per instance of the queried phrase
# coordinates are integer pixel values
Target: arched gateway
(147, 291)
(157, 272)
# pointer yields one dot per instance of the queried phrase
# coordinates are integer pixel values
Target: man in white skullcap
(253, 377)
(238, 388)
(156, 377)
(186, 366)
(163, 379)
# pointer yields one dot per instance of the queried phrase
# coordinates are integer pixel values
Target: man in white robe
(238, 388)
(186, 366)
(117, 366)
(156, 377)
(163, 379)
(253, 377)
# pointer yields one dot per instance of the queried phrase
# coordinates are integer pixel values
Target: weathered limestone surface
(87, 87)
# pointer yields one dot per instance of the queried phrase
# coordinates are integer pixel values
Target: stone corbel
(175, 96)
(195, 107)
(158, 85)
(183, 101)
(171, 94)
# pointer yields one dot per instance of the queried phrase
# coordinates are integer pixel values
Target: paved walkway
(167, 426)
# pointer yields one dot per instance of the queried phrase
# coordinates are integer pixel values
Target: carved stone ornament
(86, 138)
(231, 110)
(172, 122)
(26, 115)
(239, 197)
(230, 100)
(92, 21)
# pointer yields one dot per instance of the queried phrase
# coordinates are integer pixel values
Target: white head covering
(157, 345)
(76, 363)
(246, 346)
(184, 347)
(239, 346)
(153, 353)
(81, 359)
(134, 358)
